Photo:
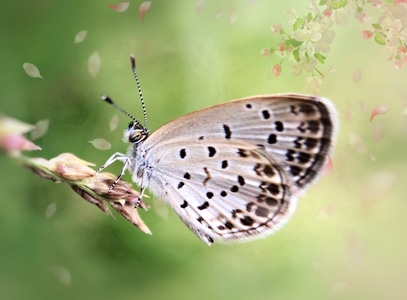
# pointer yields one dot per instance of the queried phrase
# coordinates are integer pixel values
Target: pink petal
(31, 70)
(40, 129)
(276, 70)
(349, 112)
(328, 167)
(378, 110)
(119, 7)
(143, 9)
(363, 107)
(80, 36)
(94, 64)
(101, 144)
(199, 5)
(357, 75)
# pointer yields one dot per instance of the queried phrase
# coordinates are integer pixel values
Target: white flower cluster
(306, 40)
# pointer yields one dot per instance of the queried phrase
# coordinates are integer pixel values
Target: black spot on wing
(212, 151)
(228, 132)
(204, 205)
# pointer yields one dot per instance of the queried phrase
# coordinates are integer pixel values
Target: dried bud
(88, 197)
(71, 167)
(129, 212)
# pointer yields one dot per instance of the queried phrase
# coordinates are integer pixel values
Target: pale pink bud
(276, 70)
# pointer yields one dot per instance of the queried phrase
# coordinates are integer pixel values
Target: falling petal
(316, 265)
(378, 110)
(50, 210)
(349, 112)
(114, 122)
(340, 287)
(357, 75)
(80, 36)
(404, 113)
(377, 187)
(327, 211)
(101, 144)
(40, 129)
(62, 274)
(363, 107)
(378, 132)
(94, 64)
(143, 9)
(372, 157)
(199, 5)
(160, 208)
(32, 70)
(356, 248)
(219, 13)
(357, 143)
(119, 7)
(232, 16)
(328, 167)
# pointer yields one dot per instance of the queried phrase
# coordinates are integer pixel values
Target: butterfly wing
(233, 171)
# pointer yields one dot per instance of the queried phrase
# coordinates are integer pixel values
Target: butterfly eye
(135, 136)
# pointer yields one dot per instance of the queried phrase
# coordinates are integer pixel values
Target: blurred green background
(346, 240)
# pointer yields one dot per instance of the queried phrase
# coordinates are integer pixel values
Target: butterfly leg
(116, 156)
(140, 197)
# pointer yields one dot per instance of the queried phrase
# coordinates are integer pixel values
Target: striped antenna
(110, 101)
(133, 67)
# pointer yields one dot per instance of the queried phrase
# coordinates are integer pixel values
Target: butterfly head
(135, 133)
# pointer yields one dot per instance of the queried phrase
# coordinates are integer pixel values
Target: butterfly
(233, 171)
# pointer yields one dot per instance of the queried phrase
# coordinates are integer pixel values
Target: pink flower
(367, 34)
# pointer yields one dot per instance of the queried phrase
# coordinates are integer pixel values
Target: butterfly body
(234, 171)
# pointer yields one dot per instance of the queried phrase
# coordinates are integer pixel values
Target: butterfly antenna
(133, 67)
(110, 101)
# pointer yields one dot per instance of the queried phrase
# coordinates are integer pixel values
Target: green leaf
(293, 42)
(380, 38)
(299, 23)
(309, 17)
(322, 2)
(319, 57)
(336, 4)
(296, 54)
(376, 26)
